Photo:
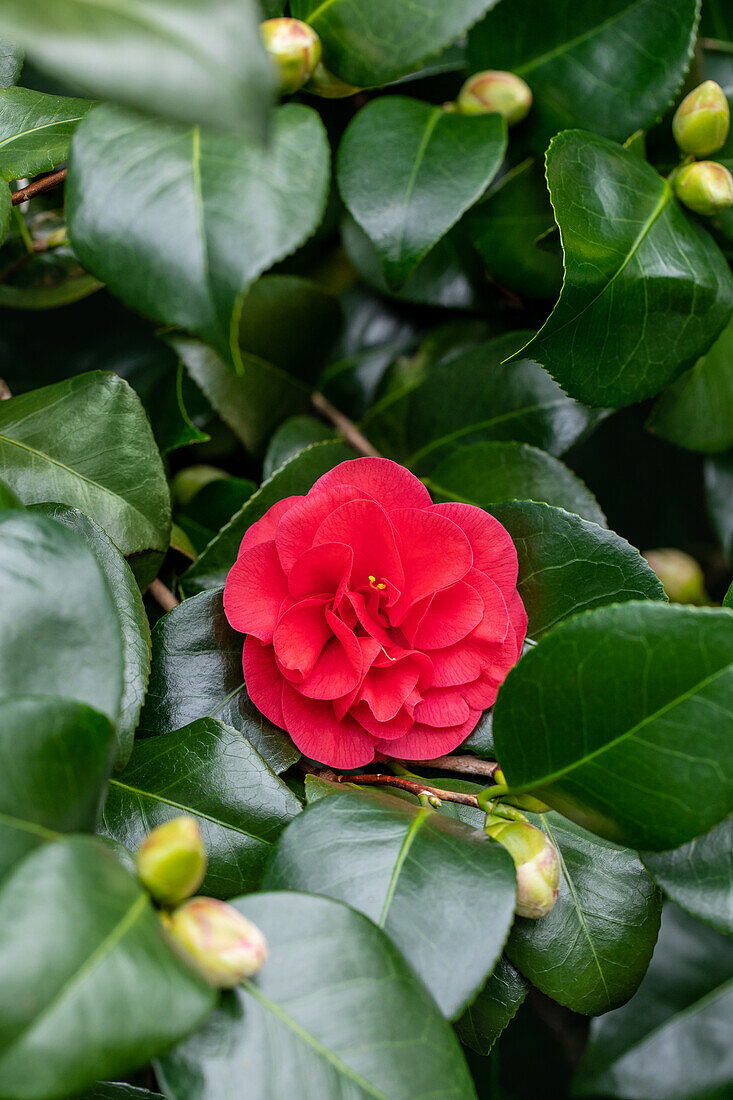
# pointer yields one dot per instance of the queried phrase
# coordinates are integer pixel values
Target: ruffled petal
(451, 616)
(385, 690)
(442, 707)
(296, 531)
(317, 732)
(300, 636)
(435, 554)
(494, 624)
(383, 731)
(426, 742)
(518, 620)
(338, 668)
(386, 481)
(254, 592)
(264, 529)
(494, 552)
(263, 679)
(321, 570)
(364, 526)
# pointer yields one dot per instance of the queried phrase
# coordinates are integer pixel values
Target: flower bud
(537, 863)
(705, 187)
(295, 49)
(682, 578)
(701, 122)
(328, 86)
(217, 941)
(171, 861)
(495, 92)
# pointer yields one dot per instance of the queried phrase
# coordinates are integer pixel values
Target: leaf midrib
(37, 129)
(564, 47)
(22, 825)
(153, 796)
(480, 424)
(421, 816)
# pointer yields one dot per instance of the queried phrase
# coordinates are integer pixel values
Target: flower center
(373, 584)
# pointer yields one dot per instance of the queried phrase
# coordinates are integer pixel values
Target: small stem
(464, 765)
(37, 188)
(409, 785)
(163, 595)
(5, 393)
(346, 428)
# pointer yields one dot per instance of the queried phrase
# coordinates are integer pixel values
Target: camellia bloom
(376, 621)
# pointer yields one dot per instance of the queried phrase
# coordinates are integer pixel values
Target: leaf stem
(162, 595)
(408, 785)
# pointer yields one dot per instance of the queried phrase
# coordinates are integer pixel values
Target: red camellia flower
(377, 622)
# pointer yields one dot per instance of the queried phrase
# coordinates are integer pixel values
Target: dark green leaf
(166, 392)
(496, 1005)
(717, 20)
(191, 62)
(111, 1091)
(412, 865)
(719, 495)
(44, 279)
(196, 672)
(672, 1040)
(592, 950)
(335, 1010)
(133, 621)
(396, 174)
(35, 130)
(699, 876)
(11, 62)
(212, 772)
(485, 473)
(184, 253)
(55, 759)
(728, 599)
(567, 564)
(611, 66)
(8, 499)
(622, 717)
(372, 42)
(86, 442)
(212, 508)
(646, 291)
(81, 941)
(292, 437)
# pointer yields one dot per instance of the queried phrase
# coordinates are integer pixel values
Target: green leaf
(592, 950)
(86, 442)
(699, 875)
(210, 771)
(295, 478)
(473, 397)
(11, 63)
(196, 672)
(185, 252)
(8, 499)
(35, 130)
(485, 473)
(495, 1007)
(611, 66)
(728, 599)
(293, 436)
(567, 564)
(629, 252)
(133, 622)
(372, 42)
(110, 1091)
(72, 907)
(167, 393)
(59, 631)
(672, 1040)
(55, 759)
(191, 62)
(396, 174)
(336, 1006)
(452, 947)
(697, 410)
(622, 718)
(212, 507)
(719, 499)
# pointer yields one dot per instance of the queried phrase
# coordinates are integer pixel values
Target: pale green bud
(495, 92)
(217, 941)
(295, 49)
(328, 86)
(537, 863)
(700, 124)
(682, 578)
(171, 861)
(705, 187)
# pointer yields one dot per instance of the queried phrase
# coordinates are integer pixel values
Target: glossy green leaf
(622, 717)
(496, 1005)
(188, 61)
(86, 442)
(484, 473)
(372, 42)
(728, 599)
(55, 759)
(208, 770)
(335, 1006)
(293, 436)
(35, 130)
(646, 291)
(11, 63)
(672, 1040)
(59, 631)
(719, 498)
(474, 397)
(185, 252)
(212, 507)
(453, 948)
(295, 478)
(8, 499)
(396, 173)
(592, 950)
(611, 66)
(697, 410)
(568, 564)
(699, 875)
(104, 959)
(133, 622)
(196, 672)
(46, 279)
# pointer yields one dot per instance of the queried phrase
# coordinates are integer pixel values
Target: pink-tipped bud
(295, 49)
(682, 578)
(171, 861)
(217, 941)
(701, 122)
(495, 92)
(537, 863)
(705, 187)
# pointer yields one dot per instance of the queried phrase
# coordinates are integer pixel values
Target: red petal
(363, 525)
(452, 614)
(425, 743)
(518, 619)
(443, 707)
(481, 694)
(322, 570)
(385, 690)
(254, 591)
(386, 481)
(264, 529)
(458, 664)
(369, 623)
(320, 735)
(296, 532)
(494, 623)
(494, 552)
(435, 554)
(383, 731)
(338, 669)
(300, 635)
(263, 679)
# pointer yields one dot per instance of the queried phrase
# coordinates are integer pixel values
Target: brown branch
(37, 188)
(346, 428)
(409, 785)
(465, 765)
(5, 393)
(163, 595)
